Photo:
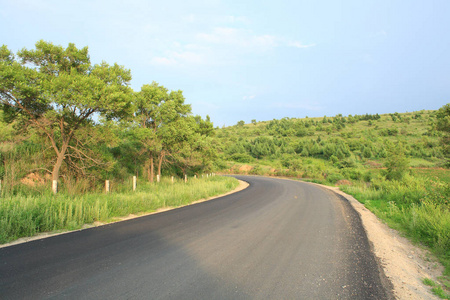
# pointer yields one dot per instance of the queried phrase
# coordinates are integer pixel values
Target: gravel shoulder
(403, 263)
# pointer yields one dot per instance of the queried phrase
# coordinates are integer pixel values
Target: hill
(321, 148)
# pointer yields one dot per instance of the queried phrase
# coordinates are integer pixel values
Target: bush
(241, 157)
(334, 177)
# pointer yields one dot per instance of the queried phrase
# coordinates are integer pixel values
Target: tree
(396, 161)
(156, 109)
(57, 91)
(443, 125)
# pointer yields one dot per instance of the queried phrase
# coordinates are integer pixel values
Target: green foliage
(57, 91)
(396, 162)
(443, 125)
(28, 215)
(49, 96)
(418, 206)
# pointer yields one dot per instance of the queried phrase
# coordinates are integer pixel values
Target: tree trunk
(152, 166)
(161, 157)
(57, 166)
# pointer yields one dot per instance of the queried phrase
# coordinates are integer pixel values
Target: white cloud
(163, 61)
(214, 19)
(248, 97)
(233, 19)
(216, 46)
(174, 58)
(190, 18)
(238, 38)
(299, 45)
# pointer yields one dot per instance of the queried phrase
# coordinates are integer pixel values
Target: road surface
(277, 239)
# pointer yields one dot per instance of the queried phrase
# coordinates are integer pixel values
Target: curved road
(277, 239)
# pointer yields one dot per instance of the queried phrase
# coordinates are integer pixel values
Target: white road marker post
(55, 186)
(185, 178)
(172, 179)
(134, 183)
(107, 186)
(157, 178)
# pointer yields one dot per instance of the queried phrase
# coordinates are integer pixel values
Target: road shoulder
(403, 263)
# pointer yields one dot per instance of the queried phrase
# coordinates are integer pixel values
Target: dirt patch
(374, 164)
(404, 264)
(245, 168)
(34, 179)
(343, 182)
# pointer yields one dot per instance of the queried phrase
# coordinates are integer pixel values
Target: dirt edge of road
(242, 185)
(404, 264)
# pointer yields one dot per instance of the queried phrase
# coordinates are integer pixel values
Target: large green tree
(57, 91)
(189, 143)
(156, 110)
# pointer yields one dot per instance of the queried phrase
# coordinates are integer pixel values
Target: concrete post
(107, 186)
(172, 179)
(134, 183)
(157, 178)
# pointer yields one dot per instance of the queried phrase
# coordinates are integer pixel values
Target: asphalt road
(277, 239)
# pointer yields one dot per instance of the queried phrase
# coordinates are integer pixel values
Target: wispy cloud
(174, 58)
(242, 38)
(218, 45)
(214, 19)
(248, 97)
(299, 45)
(163, 61)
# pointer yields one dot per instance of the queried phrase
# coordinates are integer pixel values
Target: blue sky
(244, 60)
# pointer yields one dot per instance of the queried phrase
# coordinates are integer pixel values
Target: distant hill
(316, 147)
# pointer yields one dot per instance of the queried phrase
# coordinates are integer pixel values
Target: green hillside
(331, 148)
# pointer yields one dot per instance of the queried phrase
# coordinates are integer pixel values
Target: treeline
(66, 119)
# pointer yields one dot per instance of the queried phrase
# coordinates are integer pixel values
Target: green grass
(436, 288)
(418, 207)
(22, 216)
(441, 174)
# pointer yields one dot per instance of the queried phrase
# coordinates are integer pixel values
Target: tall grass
(22, 216)
(417, 206)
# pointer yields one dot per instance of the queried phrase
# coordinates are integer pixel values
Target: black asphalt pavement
(277, 239)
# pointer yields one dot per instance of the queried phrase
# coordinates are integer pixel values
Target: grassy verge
(416, 206)
(22, 216)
